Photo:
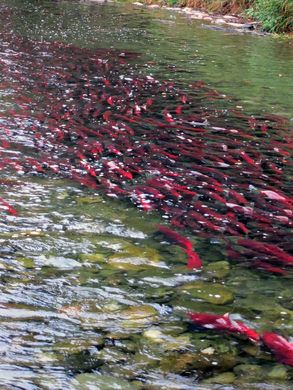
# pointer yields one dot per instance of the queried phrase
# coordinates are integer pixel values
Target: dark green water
(90, 298)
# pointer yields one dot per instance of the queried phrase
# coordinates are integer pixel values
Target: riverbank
(265, 15)
(236, 22)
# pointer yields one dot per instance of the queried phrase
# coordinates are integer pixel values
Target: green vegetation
(274, 15)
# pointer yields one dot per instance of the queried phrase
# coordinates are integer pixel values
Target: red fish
(150, 191)
(268, 249)
(273, 195)
(106, 115)
(90, 170)
(184, 99)
(141, 200)
(168, 117)
(238, 197)
(247, 159)
(7, 207)
(282, 348)
(193, 259)
(87, 181)
(175, 237)
(223, 323)
(110, 100)
(270, 268)
(5, 144)
(200, 219)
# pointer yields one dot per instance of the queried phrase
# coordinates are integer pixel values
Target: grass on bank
(274, 15)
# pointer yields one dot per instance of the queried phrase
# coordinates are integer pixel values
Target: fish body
(193, 259)
(8, 207)
(282, 348)
(223, 323)
(175, 237)
(268, 249)
(270, 268)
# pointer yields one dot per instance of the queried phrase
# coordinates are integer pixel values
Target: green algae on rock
(139, 316)
(213, 293)
(167, 342)
(217, 270)
(224, 378)
(185, 362)
(130, 263)
(102, 382)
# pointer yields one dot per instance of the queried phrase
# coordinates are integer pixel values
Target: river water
(92, 296)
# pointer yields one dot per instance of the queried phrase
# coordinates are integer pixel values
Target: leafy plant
(275, 15)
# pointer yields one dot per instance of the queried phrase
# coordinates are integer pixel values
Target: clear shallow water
(90, 296)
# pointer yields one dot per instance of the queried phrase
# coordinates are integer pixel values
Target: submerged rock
(26, 262)
(138, 316)
(248, 372)
(75, 346)
(89, 200)
(102, 382)
(60, 262)
(202, 354)
(212, 293)
(167, 342)
(159, 294)
(83, 361)
(278, 373)
(130, 263)
(146, 252)
(135, 258)
(217, 270)
(185, 362)
(223, 379)
(93, 257)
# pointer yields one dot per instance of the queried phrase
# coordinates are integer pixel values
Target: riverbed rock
(26, 262)
(101, 382)
(204, 354)
(278, 372)
(184, 304)
(174, 328)
(74, 346)
(223, 379)
(217, 270)
(127, 262)
(212, 293)
(60, 262)
(134, 258)
(167, 342)
(138, 316)
(93, 257)
(159, 294)
(88, 200)
(143, 251)
(184, 362)
(248, 372)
